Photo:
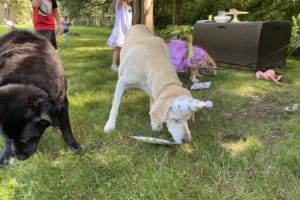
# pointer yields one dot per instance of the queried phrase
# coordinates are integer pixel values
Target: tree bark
(136, 12)
(176, 12)
(147, 14)
(143, 13)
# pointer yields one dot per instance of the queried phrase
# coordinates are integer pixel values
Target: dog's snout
(22, 156)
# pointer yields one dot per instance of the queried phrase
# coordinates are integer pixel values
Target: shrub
(295, 38)
(182, 32)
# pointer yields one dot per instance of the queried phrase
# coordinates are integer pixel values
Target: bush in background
(182, 32)
(295, 37)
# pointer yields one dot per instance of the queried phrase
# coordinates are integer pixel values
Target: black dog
(32, 94)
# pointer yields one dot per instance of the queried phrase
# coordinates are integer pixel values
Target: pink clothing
(123, 20)
(199, 54)
(179, 53)
(268, 75)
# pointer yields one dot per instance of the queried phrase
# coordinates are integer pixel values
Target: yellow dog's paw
(109, 127)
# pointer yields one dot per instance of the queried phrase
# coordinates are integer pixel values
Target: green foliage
(190, 11)
(259, 10)
(272, 9)
(175, 32)
(87, 12)
(295, 38)
(18, 11)
(94, 12)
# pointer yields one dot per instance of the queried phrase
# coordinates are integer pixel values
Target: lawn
(246, 147)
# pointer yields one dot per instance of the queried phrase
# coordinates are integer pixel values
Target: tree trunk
(147, 14)
(143, 13)
(176, 12)
(136, 12)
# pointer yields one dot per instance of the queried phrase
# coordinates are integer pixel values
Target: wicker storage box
(255, 45)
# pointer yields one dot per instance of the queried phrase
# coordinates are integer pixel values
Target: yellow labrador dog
(145, 64)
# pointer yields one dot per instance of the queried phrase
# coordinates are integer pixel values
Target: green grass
(246, 147)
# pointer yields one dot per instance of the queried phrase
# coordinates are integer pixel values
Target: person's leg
(115, 58)
(50, 35)
(53, 39)
(46, 34)
(65, 37)
(66, 32)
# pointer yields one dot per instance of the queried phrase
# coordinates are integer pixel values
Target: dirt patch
(259, 110)
(263, 110)
(231, 137)
(276, 134)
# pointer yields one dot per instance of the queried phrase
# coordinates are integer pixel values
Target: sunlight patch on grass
(82, 99)
(245, 90)
(8, 189)
(84, 39)
(187, 148)
(88, 49)
(134, 95)
(240, 147)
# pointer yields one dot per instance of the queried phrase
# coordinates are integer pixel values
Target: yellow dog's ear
(210, 60)
(159, 111)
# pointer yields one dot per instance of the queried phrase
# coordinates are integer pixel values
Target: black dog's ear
(56, 107)
(36, 97)
(46, 108)
(35, 103)
(42, 107)
(52, 110)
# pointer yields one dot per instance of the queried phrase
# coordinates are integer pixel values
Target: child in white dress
(123, 20)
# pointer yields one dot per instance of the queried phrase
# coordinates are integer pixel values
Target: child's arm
(57, 19)
(36, 3)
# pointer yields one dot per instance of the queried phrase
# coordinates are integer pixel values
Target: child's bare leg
(194, 72)
(115, 56)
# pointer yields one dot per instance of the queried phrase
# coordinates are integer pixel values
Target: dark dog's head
(25, 112)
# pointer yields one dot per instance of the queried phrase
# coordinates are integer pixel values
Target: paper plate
(153, 140)
(200, 85)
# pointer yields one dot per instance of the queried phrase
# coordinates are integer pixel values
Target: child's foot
(114, 67)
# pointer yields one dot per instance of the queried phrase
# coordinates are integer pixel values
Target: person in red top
(44, 13)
